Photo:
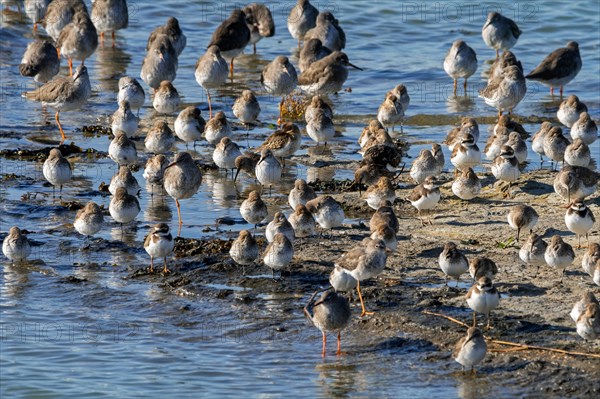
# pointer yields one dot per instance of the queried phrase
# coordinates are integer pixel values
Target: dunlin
(89, 219)
(279, 78)
(268, 169)
(312, 51)
(481, 266)
(326, 75)
(122, 150)
(160, 62)
(317, 104)
(110, 16)
(506, 167)
(260, 22)
(124, 178)
(522, 217)
(470, 350)
(154, 170)
(78, 40)
(537, 141)
(578, 154)
(585, 129)
(64, 93)
(132, 91)
(384, 216)
(159, 243)
(518, 145)
(326, 211)
(160, 138)
(466, 154)
(216, 128)
(501, 63)
(253, 209)
(302, 18)
(532, 252)
(279, 253)
(460, 62)
(246, 108)
(300, 194)
(211, 71)
(558, 68)
(500, 32)
(123, 119)
(390, 112)
(247, 163)
(369, 172)
(438, 155)
(231, 37)
(505, 121)
(466, 186)
(452, 262)
(173, 31)
(559, 254)
(495, 142)
(302, 222)
(555, 144)
(59, 14)
(385, 233)
(505, 92)
(279, 224)
(364, 261)
(16, 246)
(590, 258)
(40, 61)
(570, 110)
(373, 133)
(328, 30)
(383, 155)
(166, 98)
(182, 179)
(284, 142)
(576, 182)
(580, 219)
(425, 197)
(123, 207)
(331, 312)
(320, 127)
(35, 11)
(190, 125)
(225, 154)
(483, 298)
(57, 169)
(244, 250)
(382, 191)
(423, 166)
(401, 93)
(587, 298)
(586, 314)
(457, 134)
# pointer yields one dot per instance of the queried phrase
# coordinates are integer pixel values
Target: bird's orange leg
(113, 39)
(101, 39)
(70, 67)
(62, 133)
(455, 84)
(339, 349)
(209, 104)
(179, 215)
(58, 52)
(231, 69)
(166, 269)
(151, 264)
(324, 344)
(362, 302)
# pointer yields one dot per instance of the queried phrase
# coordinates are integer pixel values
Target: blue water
(115, 337)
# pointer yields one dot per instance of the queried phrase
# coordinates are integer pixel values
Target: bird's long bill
(354, 66)
(236, 175)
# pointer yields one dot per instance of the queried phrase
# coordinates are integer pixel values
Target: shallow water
(111, 336)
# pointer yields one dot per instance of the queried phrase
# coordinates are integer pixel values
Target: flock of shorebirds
(324, 70)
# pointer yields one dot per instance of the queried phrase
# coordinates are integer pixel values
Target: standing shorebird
(154, 171)
(302, 18)
(458, 133)
(537, 141)
(576, 182)
(384, 216)
(182, 179)
(217, 128)
(160, 138)
(505, 92)
(131, 90)
(328, 31)
(246, 108)
(279, 224)
(500, 64)
(522, 217)
(585, 129)
(123, 207)
(586, 315)
(160, 62)
(247, 163)
(578, 154)
(16, 246)
(425, 197)
(558, 68)
(64, 94)
(390, 111)
(253, 209)
(40, 61)
(471, 349)
(559, 254)
(59, 14)
(331, 312)
(244, 250)
(57, 170)
(211, 71)
(326, 75)
(109, 16)
(506, 167)
(481, 266)
(190, 125)
(570, 110)
(579, 220)
(78, 40)
(532, 252)
(518, 145)
(300, 194)
(466, 186)
(555, 144)
(279, 78)
(364, 261)
(483, 298)
(173, 32)
(423, 166)
(284, 142)
(452, 262)
(231, 37)
(225, 154)
(268, 169)
(460, 62)
(124, 178)
(123, 119)
(159, 243)
(320, 127)
(122, 150)
(302, 222)
(382, 191)
(260, 22)
(499, 32)
(467, 154)
(326, 211)
(312, 51)
(166, 98)
(279, 253)
(89, 219)
(590, 258)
